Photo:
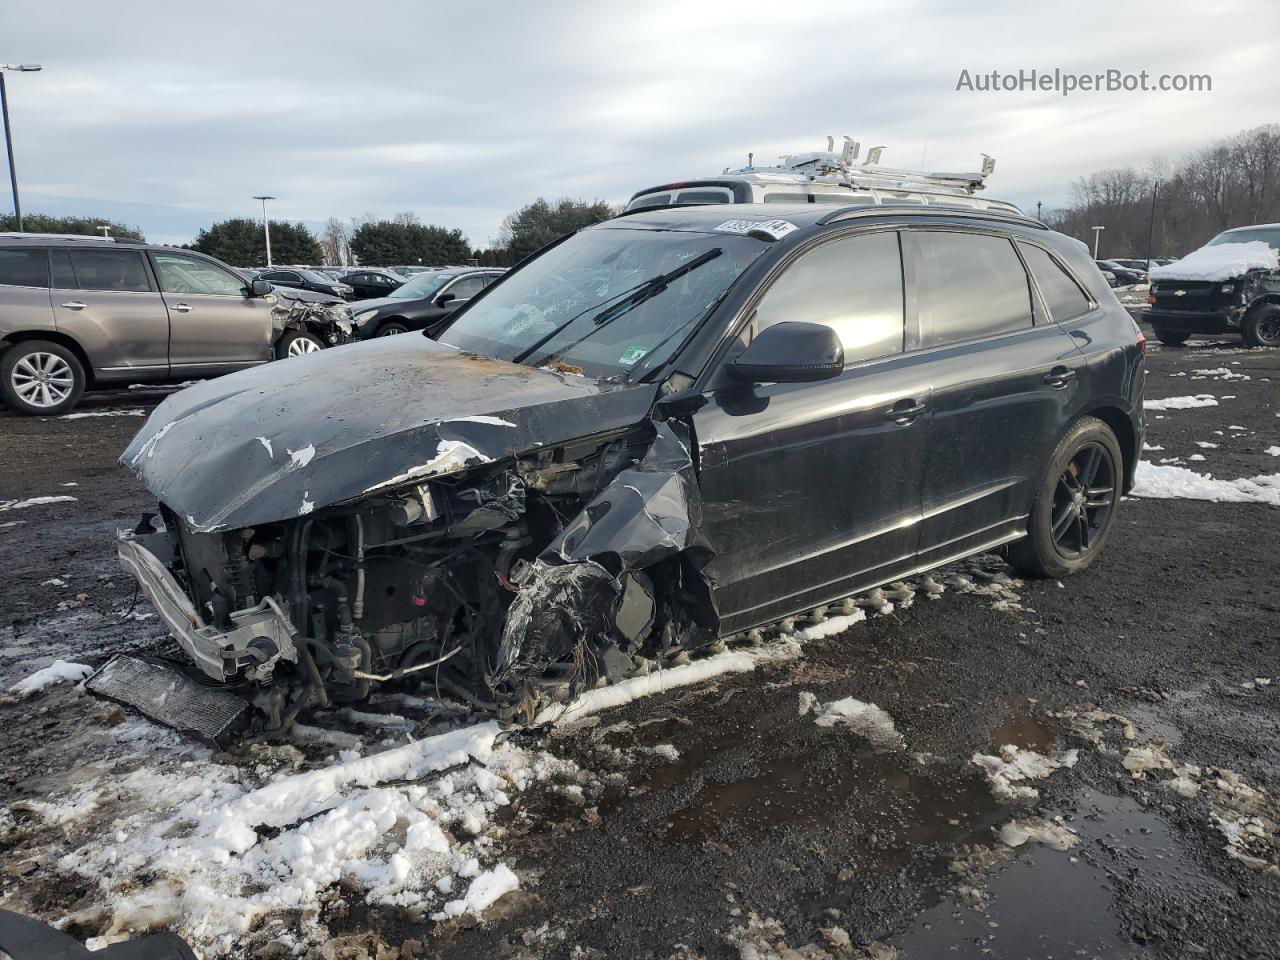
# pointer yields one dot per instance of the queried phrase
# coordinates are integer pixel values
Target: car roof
(706, 217)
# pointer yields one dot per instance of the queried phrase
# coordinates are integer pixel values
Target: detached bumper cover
(220, 654)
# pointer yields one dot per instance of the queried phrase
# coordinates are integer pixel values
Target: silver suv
(91, 311)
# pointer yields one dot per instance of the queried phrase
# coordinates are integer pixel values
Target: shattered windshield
(1269, 235)
(421, 286)
(605, 302)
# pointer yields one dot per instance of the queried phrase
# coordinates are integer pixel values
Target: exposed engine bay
(510, 585)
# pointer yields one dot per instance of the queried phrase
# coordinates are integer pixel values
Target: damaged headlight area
(329, 319)
(511, 584)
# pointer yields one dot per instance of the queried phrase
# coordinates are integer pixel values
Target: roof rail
(935, 209)
(14, 235)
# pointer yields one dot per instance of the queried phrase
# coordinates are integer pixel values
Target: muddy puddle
(1048, 903)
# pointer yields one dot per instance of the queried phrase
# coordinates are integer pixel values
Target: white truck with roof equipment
(829, 177)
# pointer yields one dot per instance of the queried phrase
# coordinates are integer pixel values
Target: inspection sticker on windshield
(774, 228)
(631, 355)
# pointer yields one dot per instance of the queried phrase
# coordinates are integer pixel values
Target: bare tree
(335, 241)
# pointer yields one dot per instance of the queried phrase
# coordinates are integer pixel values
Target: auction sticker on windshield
(774, 228)
(631, 355)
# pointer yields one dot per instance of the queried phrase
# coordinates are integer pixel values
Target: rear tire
(39, 378)
(1171, 338)
(296, 343)
(1261, 328)
(1075, 506)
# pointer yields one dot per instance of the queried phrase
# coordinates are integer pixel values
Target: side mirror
(791, 352)
(259, 288)
(445, 298)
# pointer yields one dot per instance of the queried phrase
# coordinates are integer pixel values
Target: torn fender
(568, 603)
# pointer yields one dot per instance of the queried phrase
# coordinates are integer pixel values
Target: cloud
(172, 117)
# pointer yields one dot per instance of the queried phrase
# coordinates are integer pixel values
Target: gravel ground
(753, 830)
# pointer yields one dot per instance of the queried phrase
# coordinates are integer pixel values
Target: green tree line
(402, 240)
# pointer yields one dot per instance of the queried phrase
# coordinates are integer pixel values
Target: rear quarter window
(24, 267)
(1061, 293)
(970, 286)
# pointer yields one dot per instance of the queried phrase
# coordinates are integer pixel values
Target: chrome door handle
(183, 307)
(74, 305)
(1059, 377)
(904, 412)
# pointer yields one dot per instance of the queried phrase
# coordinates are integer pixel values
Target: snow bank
(1179, 483)
(60, 671)
(1220, 262)
(1180, 403)
(865, 719)
(32, 502)
(236, 855)
(1010, 772)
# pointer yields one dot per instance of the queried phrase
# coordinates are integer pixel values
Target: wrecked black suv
(664, 431)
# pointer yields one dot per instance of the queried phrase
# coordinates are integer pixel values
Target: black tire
(297, 343)
(1073, 512)
(1261, 327)
(391, 328)
(1171, 338)
(39, 378)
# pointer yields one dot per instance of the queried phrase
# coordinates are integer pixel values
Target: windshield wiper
(640, 294)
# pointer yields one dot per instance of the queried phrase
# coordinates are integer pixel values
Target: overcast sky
(172, 115)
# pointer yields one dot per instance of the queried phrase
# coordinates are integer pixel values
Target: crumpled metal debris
(569, 598)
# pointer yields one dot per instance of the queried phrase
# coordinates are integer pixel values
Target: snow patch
(492, 421)
(1221, 261)
(32, 502)
(1010, 772)
(1181, 403)
(1051, 833)
(865, 719)
(1179, 483)
(267, 444)
(60, 671)
(103, 413)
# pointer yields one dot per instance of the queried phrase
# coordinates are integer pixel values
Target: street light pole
(266, 224)
(1097, 232)
(8, 135)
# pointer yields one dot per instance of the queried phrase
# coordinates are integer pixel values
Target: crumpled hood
(285, 438)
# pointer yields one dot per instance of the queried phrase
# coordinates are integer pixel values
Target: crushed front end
(510, 584)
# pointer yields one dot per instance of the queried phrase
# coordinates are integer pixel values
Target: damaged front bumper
(257, 637)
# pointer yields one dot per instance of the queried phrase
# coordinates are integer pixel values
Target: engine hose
(313, 672)
(357, 605)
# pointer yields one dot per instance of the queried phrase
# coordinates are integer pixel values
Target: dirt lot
(736, 818)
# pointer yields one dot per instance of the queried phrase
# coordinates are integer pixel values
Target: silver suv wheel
(301, 345)
(42, 379)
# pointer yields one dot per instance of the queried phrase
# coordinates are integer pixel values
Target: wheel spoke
(1063, 521)
(1093, 459)
(1084, 531)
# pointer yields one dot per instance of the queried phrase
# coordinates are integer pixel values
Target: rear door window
(120, 271)
(970, 286)
(853, 285)
(1061, 293)
(24, 267)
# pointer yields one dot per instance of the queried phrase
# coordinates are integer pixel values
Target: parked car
(366, 283)
(666, 429)
(306, 280)
(423, 303)
(1230, 285)
(77, 312)
(1125, 276)
(1140, 265)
